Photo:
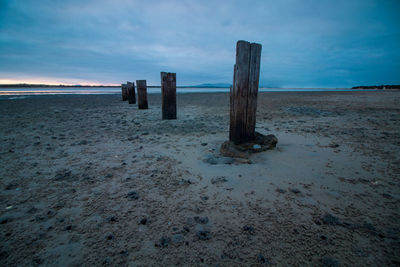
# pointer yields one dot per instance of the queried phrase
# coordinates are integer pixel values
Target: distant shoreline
(150, 86)
(208, 86)
(380, 87)
(91, 86)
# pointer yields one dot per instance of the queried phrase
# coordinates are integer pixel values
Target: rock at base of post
(259, 144)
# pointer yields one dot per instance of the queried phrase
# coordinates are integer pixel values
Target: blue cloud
(305, 43)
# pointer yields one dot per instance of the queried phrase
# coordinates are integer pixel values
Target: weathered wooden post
(243, 139)
(124, 88)
(243, 95)
(168, 91)
(142, 94)
(131, 93)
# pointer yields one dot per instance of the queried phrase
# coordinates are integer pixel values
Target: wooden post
(142, 94)
(168, 91)
(124, 88)
(131, 93)
(243, 95)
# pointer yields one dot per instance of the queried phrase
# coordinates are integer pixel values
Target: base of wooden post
(244, 150)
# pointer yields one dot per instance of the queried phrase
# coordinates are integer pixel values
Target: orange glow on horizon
(50, 81)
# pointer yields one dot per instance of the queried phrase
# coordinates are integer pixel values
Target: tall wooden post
(168, 91)
(131, 93)
(142, 94)
(124, 88)
(243, 95)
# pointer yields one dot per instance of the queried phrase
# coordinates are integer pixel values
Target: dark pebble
(124, 253)
(202, 220)
(323, 237)
(145, 133)
(163, 242)
(204, 144)
(69, 227)
(330, 220)
(387, 196)
(317, 222)
(185, 182)
(203, 235)
(143, 221)
(219, 179)
(4, 220)
(83, 142)
(4, 255)
(12, 185)
(281, 191)
(107, 261)
(261, 259)
(133, 195)
(63, 175)
(109, 237)
(112, 219)
(295, 190)
(249, 229)
(37, 261)
(204, 198)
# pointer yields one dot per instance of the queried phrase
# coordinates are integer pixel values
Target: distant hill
(210, 85)
(221, 85)
(377, 87)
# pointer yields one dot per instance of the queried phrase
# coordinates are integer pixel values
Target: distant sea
(114, 90)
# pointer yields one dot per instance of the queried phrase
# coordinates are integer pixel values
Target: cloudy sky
(305, 43)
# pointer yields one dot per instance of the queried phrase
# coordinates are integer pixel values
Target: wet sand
(91, 180)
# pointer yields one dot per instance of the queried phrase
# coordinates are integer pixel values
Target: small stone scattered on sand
(387, 196)
(163, 242)
(330, 220)
(261, 259)
(295, 190)
(133, 195)
(281, 191)
(112, 219)
(218, 180)
(249, 229)
(203, 235)
(202, 220)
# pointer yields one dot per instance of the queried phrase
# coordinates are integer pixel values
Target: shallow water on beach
(12, 91)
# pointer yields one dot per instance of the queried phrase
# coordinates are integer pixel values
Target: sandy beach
(90, 180)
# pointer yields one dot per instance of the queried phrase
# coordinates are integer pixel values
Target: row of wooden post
(168, 92)
(129, 94)
(243, 93)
